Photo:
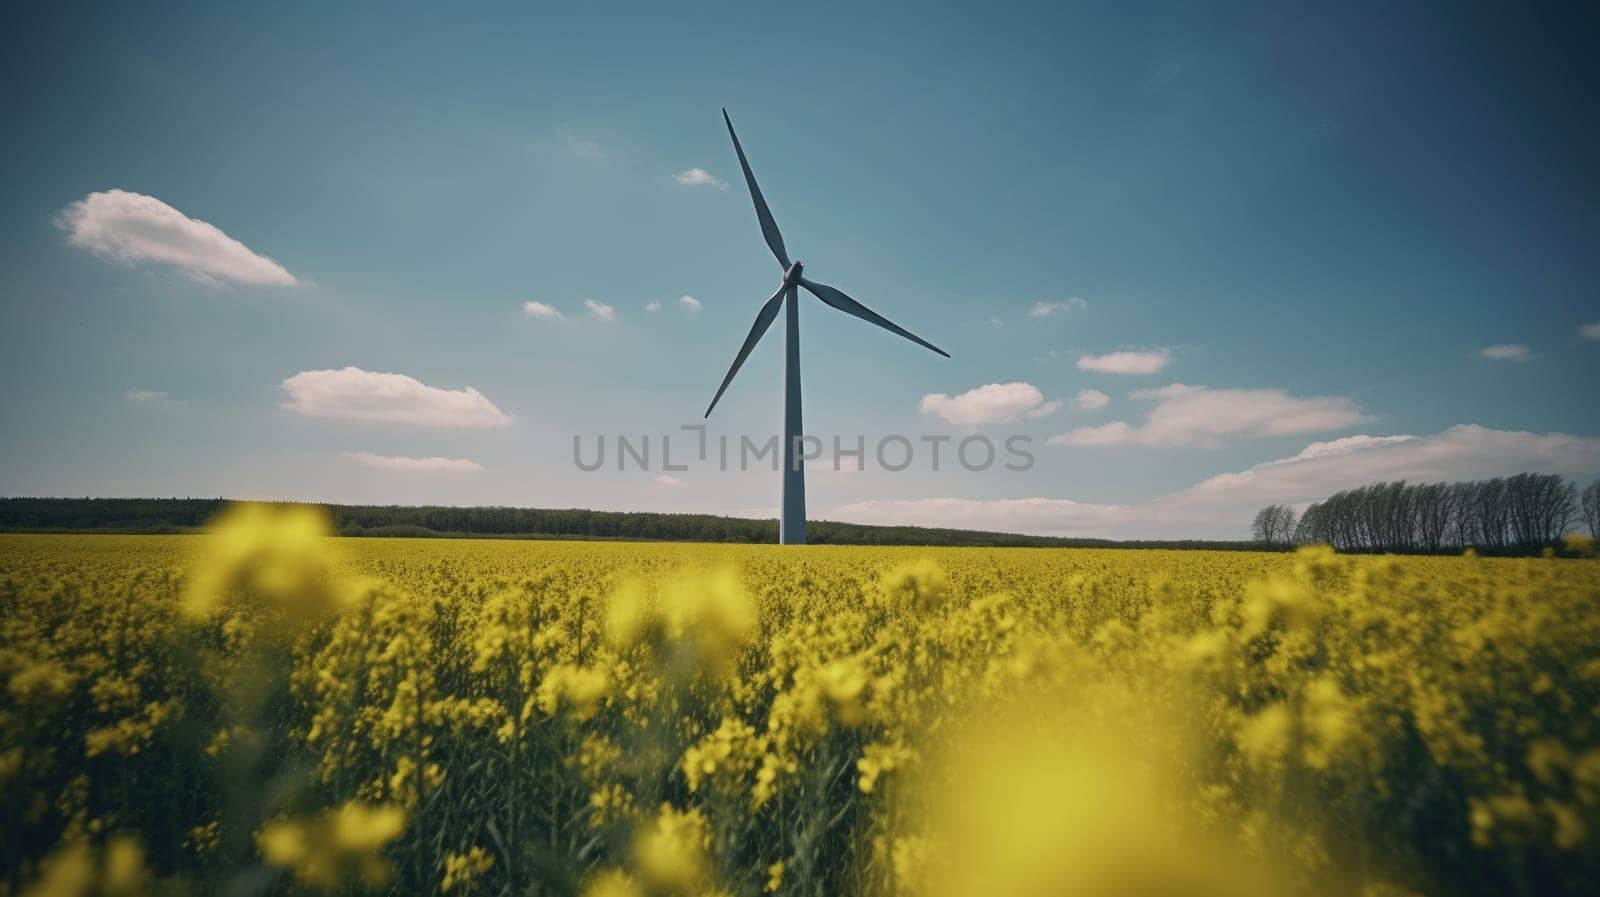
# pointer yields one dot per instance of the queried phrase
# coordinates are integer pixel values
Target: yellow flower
(1264, 738)
(730, 751)
(273, 557)
(39, 683)
(75, 870)
(628, 613)
(708, 609)
(67, 872)
(920, 584)
(842, 682)
(878, 759)
(283, 843)
(580, 688)
(10, 764)
(363, 828)
(461, 870)
(670, 852)
(1332, 722)
(613, 883)
(339, 844)
(124, 866)
(699, 618)
(909, 857)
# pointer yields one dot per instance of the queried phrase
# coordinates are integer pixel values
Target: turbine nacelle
(791, 277)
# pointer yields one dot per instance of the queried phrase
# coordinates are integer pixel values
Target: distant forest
(176, 515)
(1522, 514)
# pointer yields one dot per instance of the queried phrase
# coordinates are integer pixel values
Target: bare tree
(1432, 508)
(1493, 513)
(1522, 508)
(1464, 528)
(1265, 526)
(1310, 531)
(1591, 508)
(1273, 525)
(1286, 523)
(1450, 512)
(1561, 503)
(1539, 507)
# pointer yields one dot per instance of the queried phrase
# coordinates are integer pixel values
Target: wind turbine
(792, 525)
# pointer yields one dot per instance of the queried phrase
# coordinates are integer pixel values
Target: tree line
(1521, 514)
(178, 515)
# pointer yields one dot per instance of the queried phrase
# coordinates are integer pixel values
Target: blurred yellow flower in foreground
(1039, 806)
(919, 585)
(74, 870)
(275, 558)
(579, 688)
(698, 616)
(344, 842)
(40, 682)
(670, 852)
(613, 883)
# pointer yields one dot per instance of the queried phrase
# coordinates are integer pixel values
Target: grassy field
(266, 710)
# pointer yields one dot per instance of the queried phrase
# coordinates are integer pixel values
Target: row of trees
(1505, 515)
(177, 515)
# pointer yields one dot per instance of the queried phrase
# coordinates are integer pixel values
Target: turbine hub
(791, 277)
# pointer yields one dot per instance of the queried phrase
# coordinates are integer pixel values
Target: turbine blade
(839, 300)
(769, 228)
(763, 320)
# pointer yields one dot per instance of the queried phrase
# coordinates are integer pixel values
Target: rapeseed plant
(266, 708)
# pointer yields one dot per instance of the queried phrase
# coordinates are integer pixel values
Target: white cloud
(996, 403)
(669, 482)
(1463, 452)
(354, 394)
(1046, 309)
(131, 227)
(401, 464)
(689, 303)
(1199, 416)
(1114, 433)
(601, 310)
(1090, 400)
(1126, 362)
(1590, 331)
(652, 307)
(147, 396)
(995, 322)
(1345, 446)
(542, 311)
(1506, 352)
(698, 177)
(1221, 506)
(1045, 410)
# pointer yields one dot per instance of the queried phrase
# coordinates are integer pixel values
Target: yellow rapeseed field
(266, 710)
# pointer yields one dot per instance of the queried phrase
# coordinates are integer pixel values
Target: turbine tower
(792, 525)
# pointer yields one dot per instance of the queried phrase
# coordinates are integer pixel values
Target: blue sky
(1314, 222)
